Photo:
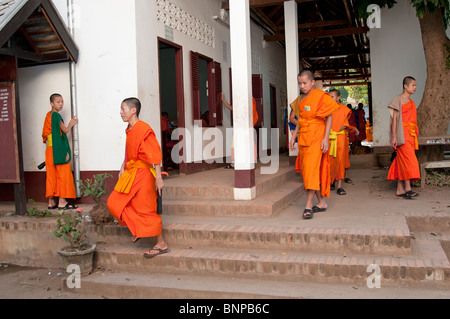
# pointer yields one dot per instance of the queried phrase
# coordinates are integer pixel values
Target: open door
(172, 105)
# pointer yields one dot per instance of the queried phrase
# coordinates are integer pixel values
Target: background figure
(361, 123)
(403, 134)
(352, 137)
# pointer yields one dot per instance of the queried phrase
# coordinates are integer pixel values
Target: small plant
(35, 212)
(72, 228)
(95, 187)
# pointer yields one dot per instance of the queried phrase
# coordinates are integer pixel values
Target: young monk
(133, 200)
(59, 178)
(338, 137)
(314, 111)
(403, 135)
(255, 120)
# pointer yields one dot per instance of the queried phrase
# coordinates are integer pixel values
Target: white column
(292, 55)
(242, 100)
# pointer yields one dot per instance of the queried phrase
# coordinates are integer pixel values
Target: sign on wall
(9, 163)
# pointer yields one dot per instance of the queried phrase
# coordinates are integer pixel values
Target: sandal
(68, 206)
(159, 251)
(410, 194)
(52, 207)
(229, 166)
(341, 191)
(348, 180)
(332, 187)
(317, 209)
(307, 214)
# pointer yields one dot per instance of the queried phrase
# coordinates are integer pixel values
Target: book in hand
(159, 203)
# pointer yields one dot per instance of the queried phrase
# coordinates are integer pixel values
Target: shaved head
(307, 73)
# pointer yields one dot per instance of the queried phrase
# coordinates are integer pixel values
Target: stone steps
(426, 266)
(113, 284)
(267, 204)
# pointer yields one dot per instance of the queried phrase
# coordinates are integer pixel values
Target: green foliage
(360, 93)
(71, 228)
(95, 187)
(343, 92)
(35, 212)
(447, 61)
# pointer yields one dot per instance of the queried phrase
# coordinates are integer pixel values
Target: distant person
(59, 185)
(403, 135)
(361, 123)
(133, 202)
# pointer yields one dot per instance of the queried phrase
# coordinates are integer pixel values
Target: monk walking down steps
(403, 134)
(314, 110)
(133, 202)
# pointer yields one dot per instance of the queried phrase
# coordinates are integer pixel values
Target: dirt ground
(34, 283)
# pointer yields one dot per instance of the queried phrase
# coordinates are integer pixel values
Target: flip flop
(229, 167)
(159, 251)
(341, 191)
(317, 209)
(68, 206)
(411, 194)
(402, 195)
(307, 214)
(52, 207)
(348, 180)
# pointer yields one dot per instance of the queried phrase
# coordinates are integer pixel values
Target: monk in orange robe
(314, 112)
(403, 134)
(59, 177)
(133, 202)
(339, 143)
(350, 130)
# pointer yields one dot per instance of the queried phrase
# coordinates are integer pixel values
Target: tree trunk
(433, 111)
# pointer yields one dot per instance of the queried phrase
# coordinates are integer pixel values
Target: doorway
(171, 103)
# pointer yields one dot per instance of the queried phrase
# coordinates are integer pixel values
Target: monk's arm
(293, 138)
(158, 180)
(226, 103)
(394, 129)
(72, 123)
(292, 118)
(325, 141)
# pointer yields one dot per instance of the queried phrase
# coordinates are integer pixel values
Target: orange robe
(311, 163)
(137, 208)
(338, 163)
(405, 165)
(59, 178)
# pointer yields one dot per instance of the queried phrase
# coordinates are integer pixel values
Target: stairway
(220, 248)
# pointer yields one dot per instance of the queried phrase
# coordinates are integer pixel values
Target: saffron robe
(338, 163)
(137, 208)
(59, 178)
(405, 165)
(311, 163)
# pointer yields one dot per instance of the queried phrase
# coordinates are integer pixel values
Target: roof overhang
(34, 32)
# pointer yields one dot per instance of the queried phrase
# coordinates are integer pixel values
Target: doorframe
(181, 121)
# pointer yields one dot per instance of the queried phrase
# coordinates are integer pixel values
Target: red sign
(9, 162)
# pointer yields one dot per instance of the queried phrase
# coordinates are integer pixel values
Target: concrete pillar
(292, 55)
(244, 173)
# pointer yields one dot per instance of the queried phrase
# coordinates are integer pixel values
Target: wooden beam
(324, 54)
(340, 66)
(263, 3)
(319, 34)
(22, 54)
(345, 84)
(344, 78)
(319, 24)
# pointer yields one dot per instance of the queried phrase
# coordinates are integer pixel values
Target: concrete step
(267, 204)
(219, 184)
(427, 266)
(113, 284)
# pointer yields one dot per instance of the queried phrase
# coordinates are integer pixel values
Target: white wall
(396, 51)
(106, 74)
(119, 59)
